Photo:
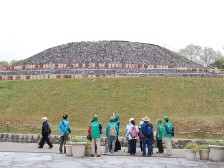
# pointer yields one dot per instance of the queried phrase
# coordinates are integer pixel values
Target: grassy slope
(191, 103)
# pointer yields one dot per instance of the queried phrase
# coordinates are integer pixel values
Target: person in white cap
(46, 131)
(127, 135)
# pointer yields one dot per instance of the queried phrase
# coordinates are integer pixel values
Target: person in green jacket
(159, 136)
(168, 136)
(95, 133)
(111, 133)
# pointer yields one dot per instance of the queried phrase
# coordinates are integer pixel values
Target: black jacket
(46, 130)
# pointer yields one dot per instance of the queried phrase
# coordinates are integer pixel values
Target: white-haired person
(127, 136)
(140, 134)
(46, 131)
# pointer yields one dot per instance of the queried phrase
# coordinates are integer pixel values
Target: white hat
(44, 118)
(141, 122)
(131, 119)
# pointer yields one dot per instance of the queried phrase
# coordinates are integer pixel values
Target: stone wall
(34, 138)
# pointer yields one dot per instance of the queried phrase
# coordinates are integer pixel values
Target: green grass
(191, 103)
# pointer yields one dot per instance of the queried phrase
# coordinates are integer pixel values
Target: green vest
(160, 130)
(170, 127)
(95, 130)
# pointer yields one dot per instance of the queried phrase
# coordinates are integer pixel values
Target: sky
(28, 27)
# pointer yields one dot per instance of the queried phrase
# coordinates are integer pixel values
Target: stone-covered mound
(109, 52)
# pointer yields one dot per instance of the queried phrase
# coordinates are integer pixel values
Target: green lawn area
(191, 103)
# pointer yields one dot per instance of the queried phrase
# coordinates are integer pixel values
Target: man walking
(64, 130)
(46, 131)
(168, 136)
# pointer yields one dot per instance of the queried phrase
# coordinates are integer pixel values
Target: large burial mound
(109, 52)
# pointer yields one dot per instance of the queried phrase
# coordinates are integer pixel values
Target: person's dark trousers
(140, 145)
(132, 146)
(160, 146)
(63, 140)
(45, 139)
(149, 144)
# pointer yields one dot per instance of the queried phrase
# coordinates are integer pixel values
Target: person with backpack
(117, 143)
(168, 136)
(133, 136)
(96, 131)
(46, 131)
(64, 130)
(111, 134)
(127, 135)
(159, 136)
(147, 132)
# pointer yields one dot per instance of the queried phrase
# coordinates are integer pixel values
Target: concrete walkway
(28, 155)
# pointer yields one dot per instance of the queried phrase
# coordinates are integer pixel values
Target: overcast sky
(28, 27)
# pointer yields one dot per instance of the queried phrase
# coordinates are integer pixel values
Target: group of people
(144, 133)
(63, 128)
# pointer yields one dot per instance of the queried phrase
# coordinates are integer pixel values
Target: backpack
(112, 131)
(140, 135)
(148, 131)
(133, 132)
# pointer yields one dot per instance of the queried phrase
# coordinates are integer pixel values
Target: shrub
(219, 143)
(203, 146)
(78, 139)
(193, 146)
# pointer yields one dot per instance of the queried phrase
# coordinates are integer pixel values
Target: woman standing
(133, 136)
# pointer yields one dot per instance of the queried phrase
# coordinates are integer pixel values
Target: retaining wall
(35, 138)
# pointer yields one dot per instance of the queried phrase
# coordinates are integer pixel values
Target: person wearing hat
(111, 134)
(127, 127)
(117, 143)
(95, 133)
(168, 136)
(64, 130)
(46, 131)
(133, 136)
(147, 132)
(159, 136)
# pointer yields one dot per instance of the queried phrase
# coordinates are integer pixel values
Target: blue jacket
(144, 130)
(63, 128)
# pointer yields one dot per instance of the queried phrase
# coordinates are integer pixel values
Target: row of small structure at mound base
(103, 65)
(53, 76)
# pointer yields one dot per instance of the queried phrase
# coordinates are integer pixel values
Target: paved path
(32, 147)
(29, 156)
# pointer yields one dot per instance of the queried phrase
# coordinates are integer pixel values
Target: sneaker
(149, 155)
(98, 155)
(50, 147)
(105, 153)
(92, 155)
(144, 155)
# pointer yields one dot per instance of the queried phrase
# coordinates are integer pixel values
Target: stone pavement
(28, 155)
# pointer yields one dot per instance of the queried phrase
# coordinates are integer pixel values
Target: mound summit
(109, 52)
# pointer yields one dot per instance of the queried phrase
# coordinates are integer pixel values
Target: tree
(219, 63)
(192, 52)
(4, 63)
(13, 62)
(204, 56)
